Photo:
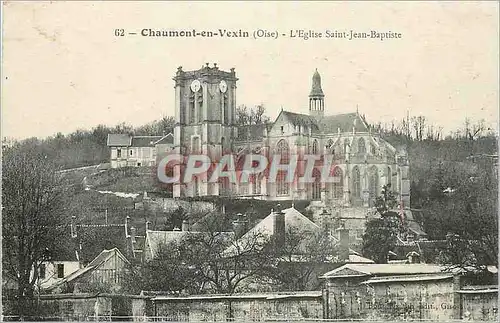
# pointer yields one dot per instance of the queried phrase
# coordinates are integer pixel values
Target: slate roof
(408, 278)
(331, 124)
(145, 141)
(294, 220)
(301, 119)
(91, 240)
(167, 139)
(383, 269)
(412, 218)
(155, 239)
(95, 263)
(316, 89)
(116, 139)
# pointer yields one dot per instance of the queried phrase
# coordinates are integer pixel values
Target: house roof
(155, 239)
(294, 220)
(408, 278)
(145, 141)
(410, 216)
(167, 139)
(117, 139)
(105, 255)
(98, 261)
(354, 270)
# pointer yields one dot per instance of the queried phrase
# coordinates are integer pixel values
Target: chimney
(73, 227)
(147, 225)
(344, 243)
(185, 226)
(279, 228)
(127, 220)
(132, 234)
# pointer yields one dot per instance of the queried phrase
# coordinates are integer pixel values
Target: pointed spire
(316, 90)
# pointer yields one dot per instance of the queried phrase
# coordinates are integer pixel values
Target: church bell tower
(316, 97)
(205, 110)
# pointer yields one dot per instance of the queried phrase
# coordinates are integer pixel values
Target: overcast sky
(64, 68)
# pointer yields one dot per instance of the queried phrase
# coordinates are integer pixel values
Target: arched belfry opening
(316, 97)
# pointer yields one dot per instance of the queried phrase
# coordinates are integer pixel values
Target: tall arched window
(255, 180)
(356, 183)
(373, 184)
(398, 181)
(361, 146)
(316, 185)
(338, 185)
(224, 188)
(315, 147)
(243, 182)
(388, 177)
(282, 185)
(346, 145)
(284, 151)
(373, 149)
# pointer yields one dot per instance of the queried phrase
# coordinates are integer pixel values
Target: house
(137, 151)
(106, 271)
(156, 239)
(280, 225)
(52, 272)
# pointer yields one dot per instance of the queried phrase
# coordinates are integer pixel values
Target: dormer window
(282, 129)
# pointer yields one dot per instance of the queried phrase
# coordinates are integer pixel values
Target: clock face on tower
(223, 86)
(195, 86)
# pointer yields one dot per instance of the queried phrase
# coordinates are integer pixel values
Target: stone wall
(256, 307)
(480, 305)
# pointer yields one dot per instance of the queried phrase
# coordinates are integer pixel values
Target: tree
(257, 115)
(210, 260)
(304, 256)
(32, 217)
(381, 234)
(467, 216)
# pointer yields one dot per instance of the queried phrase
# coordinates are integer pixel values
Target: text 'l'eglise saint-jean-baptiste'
(205, 116)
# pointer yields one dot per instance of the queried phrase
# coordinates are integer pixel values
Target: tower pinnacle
(316, 96)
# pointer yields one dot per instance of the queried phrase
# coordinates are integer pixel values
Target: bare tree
(301, 259)
(210, 260)
(32, 217)
(257, 115)
(418, 124)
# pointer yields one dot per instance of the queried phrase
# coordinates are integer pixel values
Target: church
(205, 123)
(205, 115)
